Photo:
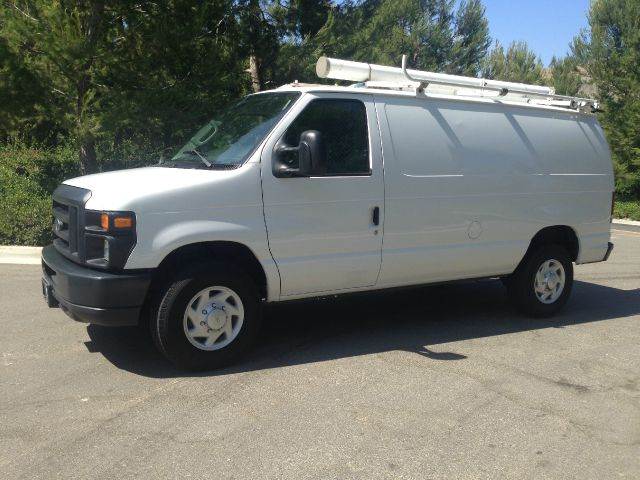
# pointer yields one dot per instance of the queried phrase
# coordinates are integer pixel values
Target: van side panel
(469, 184)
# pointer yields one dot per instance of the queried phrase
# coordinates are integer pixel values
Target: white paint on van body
(175, 207)
(320, 229)
(462, 185)
(514, 171)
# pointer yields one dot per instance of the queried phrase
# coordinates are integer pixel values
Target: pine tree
(518, 64)
(66, 45)
(471, 39)
(178, 61)
(433, 35)
(23, 97)
(613, 53)
(565, 77)
(103, 72)
(300, 19)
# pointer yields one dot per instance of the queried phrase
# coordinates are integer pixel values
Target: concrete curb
(20, 255)
(624, 221)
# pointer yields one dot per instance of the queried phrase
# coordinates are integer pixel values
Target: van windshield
(230, 138)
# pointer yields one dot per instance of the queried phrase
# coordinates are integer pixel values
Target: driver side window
(343, 125)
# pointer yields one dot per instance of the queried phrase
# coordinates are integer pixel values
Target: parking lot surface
(441, 382)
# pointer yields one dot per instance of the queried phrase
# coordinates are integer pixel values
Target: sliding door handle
(376, 216)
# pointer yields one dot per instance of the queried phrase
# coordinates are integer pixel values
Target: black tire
(521, 283)
(167, 328)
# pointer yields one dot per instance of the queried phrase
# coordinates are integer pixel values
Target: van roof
(441, 94)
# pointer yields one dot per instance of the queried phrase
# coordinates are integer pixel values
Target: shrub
(627, 209)
(129, 153)
(28, 176)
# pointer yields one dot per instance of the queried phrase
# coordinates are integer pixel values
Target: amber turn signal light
(111, 221)
(122, 222)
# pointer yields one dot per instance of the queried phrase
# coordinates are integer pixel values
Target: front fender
(162, 233)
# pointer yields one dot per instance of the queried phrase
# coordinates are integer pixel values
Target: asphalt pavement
(441, 382)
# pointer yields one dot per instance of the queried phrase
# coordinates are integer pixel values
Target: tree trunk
(87, 151)
(92, 29)
(254, 71)
(88, 162)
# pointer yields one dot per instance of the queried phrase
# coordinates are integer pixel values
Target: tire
(531, 294)
(235, 319)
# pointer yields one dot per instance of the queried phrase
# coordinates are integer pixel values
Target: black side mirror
(312, 147)
(311, 156)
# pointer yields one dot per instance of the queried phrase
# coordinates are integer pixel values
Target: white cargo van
(403, 178)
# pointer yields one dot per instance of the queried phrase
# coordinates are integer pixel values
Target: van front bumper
(93, 296)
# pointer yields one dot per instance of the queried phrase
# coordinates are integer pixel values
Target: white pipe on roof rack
(361, 72)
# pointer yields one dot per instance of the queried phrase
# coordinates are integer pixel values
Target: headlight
(109, 238)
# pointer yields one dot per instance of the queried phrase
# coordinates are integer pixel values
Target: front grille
(68, 223)
(62, 217)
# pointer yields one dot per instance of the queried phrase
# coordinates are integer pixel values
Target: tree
(471, 39)
(25, 109)
(105, 72)
(178, 60)
(613, 53)
(565, 78)
(67, 45)
(430, 32)
(259, 38)
(518, 64)
(300, 19)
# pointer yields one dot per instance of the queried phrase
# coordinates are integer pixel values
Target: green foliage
(518, 64)
(23, 98)
(564, 76)
(471, 39)
(68, 47)
(27, 178)
(115, 70)
(177, 63)
(431, 33)
(612, 52)
(627, 209)
(300, 18)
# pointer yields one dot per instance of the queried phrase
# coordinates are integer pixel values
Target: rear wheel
(207, 317)
(541, 285)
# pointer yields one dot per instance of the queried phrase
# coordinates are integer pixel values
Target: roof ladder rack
(379, 76)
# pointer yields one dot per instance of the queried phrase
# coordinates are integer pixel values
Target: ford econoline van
(403, 178)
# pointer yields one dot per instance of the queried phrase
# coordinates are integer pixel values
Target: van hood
(152, 188)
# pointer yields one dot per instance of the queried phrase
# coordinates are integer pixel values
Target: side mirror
(312, 152)
(311, 156)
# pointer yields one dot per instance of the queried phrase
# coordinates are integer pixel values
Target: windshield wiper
(200, 156)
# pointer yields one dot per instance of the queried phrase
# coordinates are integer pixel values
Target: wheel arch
(235, 253)
(563, 235)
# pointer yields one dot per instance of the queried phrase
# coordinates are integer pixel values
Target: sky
(546, 25)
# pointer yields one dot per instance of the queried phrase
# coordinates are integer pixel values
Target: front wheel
(207, 317)
(541, 285)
